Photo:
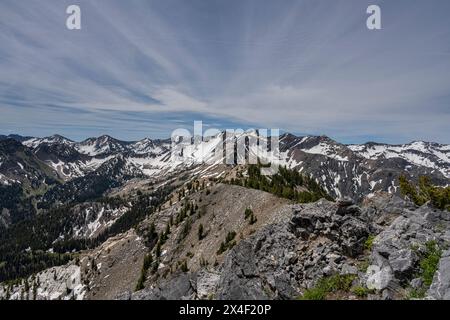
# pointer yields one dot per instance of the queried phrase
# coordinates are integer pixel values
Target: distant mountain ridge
(343, 170)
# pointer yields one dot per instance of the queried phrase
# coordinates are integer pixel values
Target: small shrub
(329, 285)
(186, 229)
(430, 261)
(363, 265)
(184, 267)
(200, 232)
(228, 243)
(425, 191)
(158, 250)
(316, 293)
(361, 291)
(253, 219)
(417, 293)
(140, 284)
(369, 242)
(248, 213)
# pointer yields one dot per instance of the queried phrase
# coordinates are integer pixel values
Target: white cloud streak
(302, 66)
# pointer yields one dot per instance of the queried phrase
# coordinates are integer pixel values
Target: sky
(142, 68)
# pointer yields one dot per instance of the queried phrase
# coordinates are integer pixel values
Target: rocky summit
(108, 219)
(324, 240)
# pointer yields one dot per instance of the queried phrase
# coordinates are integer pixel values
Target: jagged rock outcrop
(279, 261)
(182, 286)
(57, 283)
(282, 260)
(398, 249)
(338, 222)
(261, 267)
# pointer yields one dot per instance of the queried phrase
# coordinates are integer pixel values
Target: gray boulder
(403, 262)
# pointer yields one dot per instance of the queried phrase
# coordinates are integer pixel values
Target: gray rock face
(261, 267)
(396, 250)
(179, 287)
(340, 224)
(321, 239)
(440, 288)
(402, 262)
(379, 278)
(182, 286)
(207, 283)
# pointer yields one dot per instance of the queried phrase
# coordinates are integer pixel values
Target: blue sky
(143, 68)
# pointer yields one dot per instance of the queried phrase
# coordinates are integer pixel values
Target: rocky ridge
(286, 259)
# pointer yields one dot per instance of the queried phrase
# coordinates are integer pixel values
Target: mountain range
(102, 218)
(343, 170)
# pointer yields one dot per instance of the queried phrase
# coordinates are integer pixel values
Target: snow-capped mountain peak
(354, 170)
(431, 155)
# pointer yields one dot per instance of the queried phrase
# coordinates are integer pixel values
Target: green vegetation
(200, 232)
(329, 285)
(15, 201)
(158, 250)
(439, 197)
(248, 212)
(285, 184)
(187, 209)
(228, 243)
(24, 246)
(250, 216)
(184, 267)
(369, 242)
(150, 236)
(148, 261)
(429, 262)
(417, 293)
(185, 230)
(363, 265)
(361, 291)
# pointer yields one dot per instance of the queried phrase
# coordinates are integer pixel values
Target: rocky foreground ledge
(387, 248)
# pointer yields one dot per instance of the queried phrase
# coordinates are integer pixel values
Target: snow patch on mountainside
(88, 149)
(325, 150)
(35, 142)
(148, 147)
(419, 153)
(96, 222)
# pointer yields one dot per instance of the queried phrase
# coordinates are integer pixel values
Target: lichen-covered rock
(378, 278)
(207, 283)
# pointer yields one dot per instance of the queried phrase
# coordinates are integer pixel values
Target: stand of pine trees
(424, 192)
(285, 184)
(25, 246)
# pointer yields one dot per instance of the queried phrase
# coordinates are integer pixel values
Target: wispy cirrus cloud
(142, 68)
